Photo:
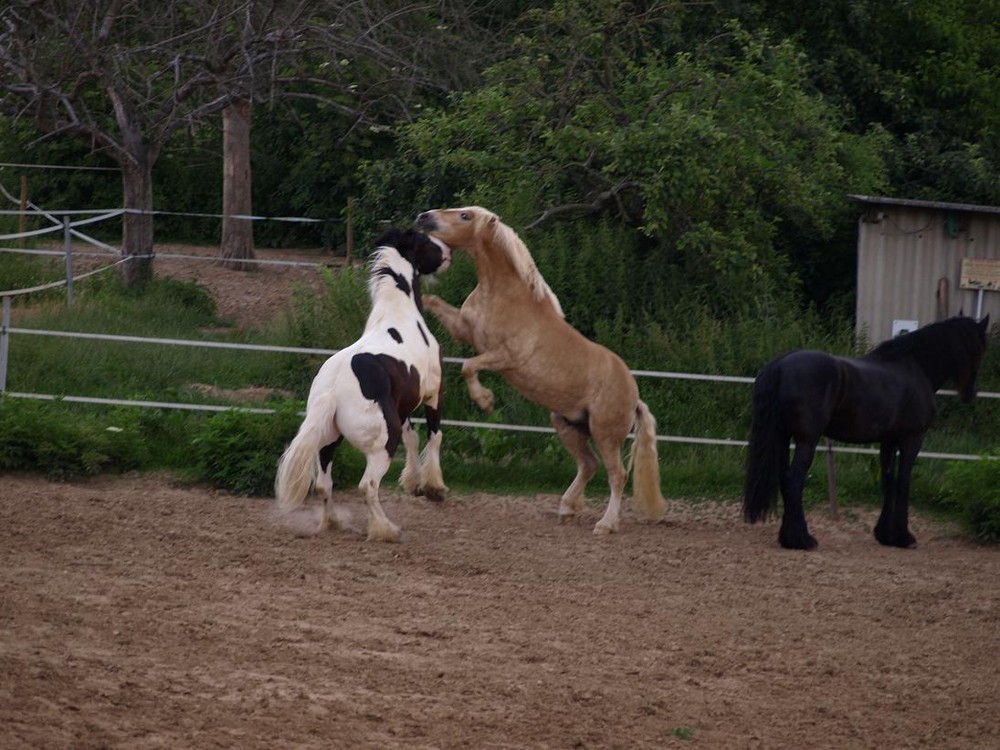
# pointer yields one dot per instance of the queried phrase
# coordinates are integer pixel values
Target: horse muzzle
(426, 222)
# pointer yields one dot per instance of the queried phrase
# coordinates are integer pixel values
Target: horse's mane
(387, 269)
(958, 340)
(520, 257)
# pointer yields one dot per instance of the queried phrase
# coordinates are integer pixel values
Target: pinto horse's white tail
(299, 464)
(646, 465)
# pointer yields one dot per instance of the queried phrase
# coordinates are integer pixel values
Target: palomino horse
(886, 397)
(514, 322)
(368, 391)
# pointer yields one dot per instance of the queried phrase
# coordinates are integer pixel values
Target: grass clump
(973, 488)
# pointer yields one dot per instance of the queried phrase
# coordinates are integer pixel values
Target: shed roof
(873, 200)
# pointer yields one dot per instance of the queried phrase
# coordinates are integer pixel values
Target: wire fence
(70, 230)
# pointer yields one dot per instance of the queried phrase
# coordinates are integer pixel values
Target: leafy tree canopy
(720, 156)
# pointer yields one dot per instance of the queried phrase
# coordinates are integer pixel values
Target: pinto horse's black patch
(393, 385)
(396, 336)
(402, 283)
(425, 255)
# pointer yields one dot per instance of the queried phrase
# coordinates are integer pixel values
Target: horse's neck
(499, 279)
(391, 313)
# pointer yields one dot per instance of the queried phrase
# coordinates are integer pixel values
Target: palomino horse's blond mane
(507, 240)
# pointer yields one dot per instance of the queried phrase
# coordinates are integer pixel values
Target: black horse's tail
(768, 451)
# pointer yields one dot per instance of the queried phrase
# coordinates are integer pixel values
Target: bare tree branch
(596, 206)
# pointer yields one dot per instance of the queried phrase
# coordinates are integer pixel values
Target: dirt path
(142, 614)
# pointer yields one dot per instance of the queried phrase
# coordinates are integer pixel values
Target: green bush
(239, 450)
(974, 490)
(46, 437)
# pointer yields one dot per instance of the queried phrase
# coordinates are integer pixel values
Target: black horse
(885, 397)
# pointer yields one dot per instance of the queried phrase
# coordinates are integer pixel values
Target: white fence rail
(6, 330)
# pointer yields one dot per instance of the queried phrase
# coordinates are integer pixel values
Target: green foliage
(239, 451)
(334, 319)
(723, 157)
(973, 489)
(47, 438)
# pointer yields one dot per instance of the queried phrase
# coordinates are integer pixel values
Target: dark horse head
(426, 254)
(951, 349)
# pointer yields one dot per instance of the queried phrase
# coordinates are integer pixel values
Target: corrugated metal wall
(904, 253)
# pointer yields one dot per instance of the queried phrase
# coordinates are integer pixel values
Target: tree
(125, 77)
(719, 154)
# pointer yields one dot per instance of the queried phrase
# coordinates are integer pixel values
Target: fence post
(4, 337)
(350, 231)
(831, 479)
(68, 243)
(22, 223)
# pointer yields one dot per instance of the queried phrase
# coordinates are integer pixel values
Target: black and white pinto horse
(885, 397)
(367, 391)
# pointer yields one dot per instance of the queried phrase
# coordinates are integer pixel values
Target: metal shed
(921, 261)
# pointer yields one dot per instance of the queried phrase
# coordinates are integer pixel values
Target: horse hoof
(806, 542)
(384, 533)
(436, 494)
(905, 541)
(603, 529)
(485, 401)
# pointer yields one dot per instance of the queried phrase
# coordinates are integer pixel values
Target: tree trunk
(137, 228)
(237, 234)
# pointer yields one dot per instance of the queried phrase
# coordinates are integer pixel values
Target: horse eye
(466, 216)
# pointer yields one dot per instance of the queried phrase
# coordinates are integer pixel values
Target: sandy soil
(247, 299)
(138, 613)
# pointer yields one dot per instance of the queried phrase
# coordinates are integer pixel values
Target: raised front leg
(794, 533)
(448, 316)
(893, 526)
(493, 360)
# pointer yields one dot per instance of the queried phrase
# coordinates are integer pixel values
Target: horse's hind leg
(794, 533)
(324, 484)
(611, 454)
(380, 528)
(575, 439)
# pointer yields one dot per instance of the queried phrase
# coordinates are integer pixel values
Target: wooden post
(831, 479)
(4, 343)
(350, 230)
(68, 246)
(22, 225)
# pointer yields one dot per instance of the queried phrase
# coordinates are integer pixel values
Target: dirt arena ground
(139, 613)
